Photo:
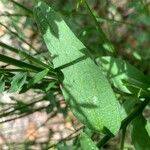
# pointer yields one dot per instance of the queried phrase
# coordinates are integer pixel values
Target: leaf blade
(17, 82)
(38, 77)
(85, 88)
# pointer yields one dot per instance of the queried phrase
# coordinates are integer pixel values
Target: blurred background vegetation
(33, 114)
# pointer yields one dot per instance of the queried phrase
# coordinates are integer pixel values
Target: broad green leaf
(17, 82)
(84, 87)
(118, 71)
(86, 142)
(140, 137)
(38, 77)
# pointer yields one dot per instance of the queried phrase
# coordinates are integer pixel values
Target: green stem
(123, 138)
(104, 140)
(19, 37)
(100, 19)
(23, 7)
(139, 109)
(14, 15)
(15, 70)
(103, 37)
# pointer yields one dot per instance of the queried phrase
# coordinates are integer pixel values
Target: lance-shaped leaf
(2, 84)
(17, 82)
(84, 87)
(38, 77)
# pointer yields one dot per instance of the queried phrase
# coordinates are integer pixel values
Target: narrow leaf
(2, 84)
(26, 55)
(38, 77)
(84, 87)
(18, 63)
(50, 85)
(17, 82)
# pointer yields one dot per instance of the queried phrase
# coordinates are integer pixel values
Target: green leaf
(18, 63)
(38, 77)
(118, 71)
(2, 84)
(26, 55)
(140, 137)
(86, 142)
(147, 127)
(84, 87)
(17, 82)
(50, 85)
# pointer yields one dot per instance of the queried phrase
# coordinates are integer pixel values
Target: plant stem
(18, 36)
(104, 140)
(103, 37)
(123, 138)
(139, 109)
(100, 19)
(14, 15)
(23, 7)
(15, 70)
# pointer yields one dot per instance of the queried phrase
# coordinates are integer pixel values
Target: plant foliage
(101, 71)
